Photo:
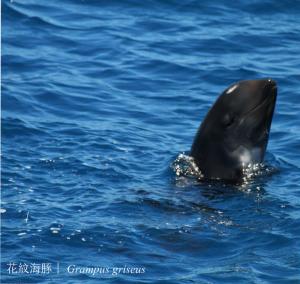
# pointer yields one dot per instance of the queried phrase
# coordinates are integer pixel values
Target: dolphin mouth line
(268, 98)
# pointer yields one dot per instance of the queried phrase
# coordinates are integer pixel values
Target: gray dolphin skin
(236, 129)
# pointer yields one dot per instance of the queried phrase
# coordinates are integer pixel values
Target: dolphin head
(235, 131)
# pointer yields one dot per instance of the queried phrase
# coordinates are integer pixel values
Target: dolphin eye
(228, 120)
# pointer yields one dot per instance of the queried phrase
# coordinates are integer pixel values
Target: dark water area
(99, 98)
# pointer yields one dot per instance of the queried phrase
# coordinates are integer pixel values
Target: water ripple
(99, 98)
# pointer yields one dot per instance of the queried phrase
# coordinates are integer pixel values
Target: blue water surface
(98, 100)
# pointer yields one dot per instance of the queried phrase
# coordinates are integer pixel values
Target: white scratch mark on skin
(231, 89)
(245, 158)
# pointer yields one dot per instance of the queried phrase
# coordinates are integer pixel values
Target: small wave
(18, 11)
(16, 128)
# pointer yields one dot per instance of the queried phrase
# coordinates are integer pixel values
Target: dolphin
(235, 132)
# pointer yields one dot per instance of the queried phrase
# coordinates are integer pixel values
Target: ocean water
(99, 98)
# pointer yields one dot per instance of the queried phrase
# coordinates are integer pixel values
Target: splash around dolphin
(235, 132)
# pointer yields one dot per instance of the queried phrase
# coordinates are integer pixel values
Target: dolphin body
(234, 134)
